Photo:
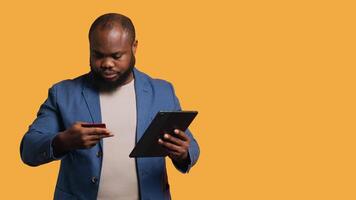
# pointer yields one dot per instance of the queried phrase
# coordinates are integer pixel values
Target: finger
(106, 136)
(170, 146)
(172, 139)
(93, 138)
(79, 123)
(97, 131)
(173, 155)
(98, 137)
(181, 135)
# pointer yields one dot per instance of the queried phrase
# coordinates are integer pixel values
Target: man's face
(112, 58)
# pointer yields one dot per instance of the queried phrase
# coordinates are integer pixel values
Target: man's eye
(116, 57)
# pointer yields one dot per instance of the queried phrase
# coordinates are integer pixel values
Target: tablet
(163, 122)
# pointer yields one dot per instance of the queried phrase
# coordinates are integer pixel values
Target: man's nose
(107, 63)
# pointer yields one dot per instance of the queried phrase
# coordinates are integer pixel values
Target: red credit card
(95, 125)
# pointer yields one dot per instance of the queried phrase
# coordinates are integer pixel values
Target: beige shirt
(118, 174)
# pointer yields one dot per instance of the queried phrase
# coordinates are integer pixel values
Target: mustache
(105, 70)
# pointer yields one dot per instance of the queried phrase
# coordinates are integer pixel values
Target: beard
(104, 85)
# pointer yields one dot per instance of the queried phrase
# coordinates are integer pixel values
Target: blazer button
(98, 154)
(94, 179)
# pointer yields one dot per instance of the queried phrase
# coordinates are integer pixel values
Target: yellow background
(274, 82)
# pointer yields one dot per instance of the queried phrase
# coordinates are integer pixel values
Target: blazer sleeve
(36, 144)
(194, 150)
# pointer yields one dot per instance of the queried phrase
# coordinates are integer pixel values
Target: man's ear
(134, 46)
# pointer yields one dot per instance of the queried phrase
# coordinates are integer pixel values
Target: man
(94, 161)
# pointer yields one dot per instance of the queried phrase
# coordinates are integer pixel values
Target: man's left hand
(177, 145)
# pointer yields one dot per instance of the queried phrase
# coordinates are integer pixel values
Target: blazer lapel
(143, 100)
(92, 99)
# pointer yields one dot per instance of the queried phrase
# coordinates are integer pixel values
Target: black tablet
(164, 122)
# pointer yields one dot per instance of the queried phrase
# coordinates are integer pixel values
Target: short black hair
(110, 20)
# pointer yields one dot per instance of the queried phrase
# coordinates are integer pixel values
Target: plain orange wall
(274, 82)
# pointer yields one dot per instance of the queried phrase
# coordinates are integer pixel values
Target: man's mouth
(110, 75)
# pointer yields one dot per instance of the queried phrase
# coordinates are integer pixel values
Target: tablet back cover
(164, 121)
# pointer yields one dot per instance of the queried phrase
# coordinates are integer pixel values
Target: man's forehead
(110, 40)
(114, 34)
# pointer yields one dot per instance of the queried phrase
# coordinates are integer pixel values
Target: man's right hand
(78, 137)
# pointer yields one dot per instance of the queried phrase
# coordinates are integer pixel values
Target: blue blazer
(77, 100)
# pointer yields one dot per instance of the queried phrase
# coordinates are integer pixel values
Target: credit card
(94, 125)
